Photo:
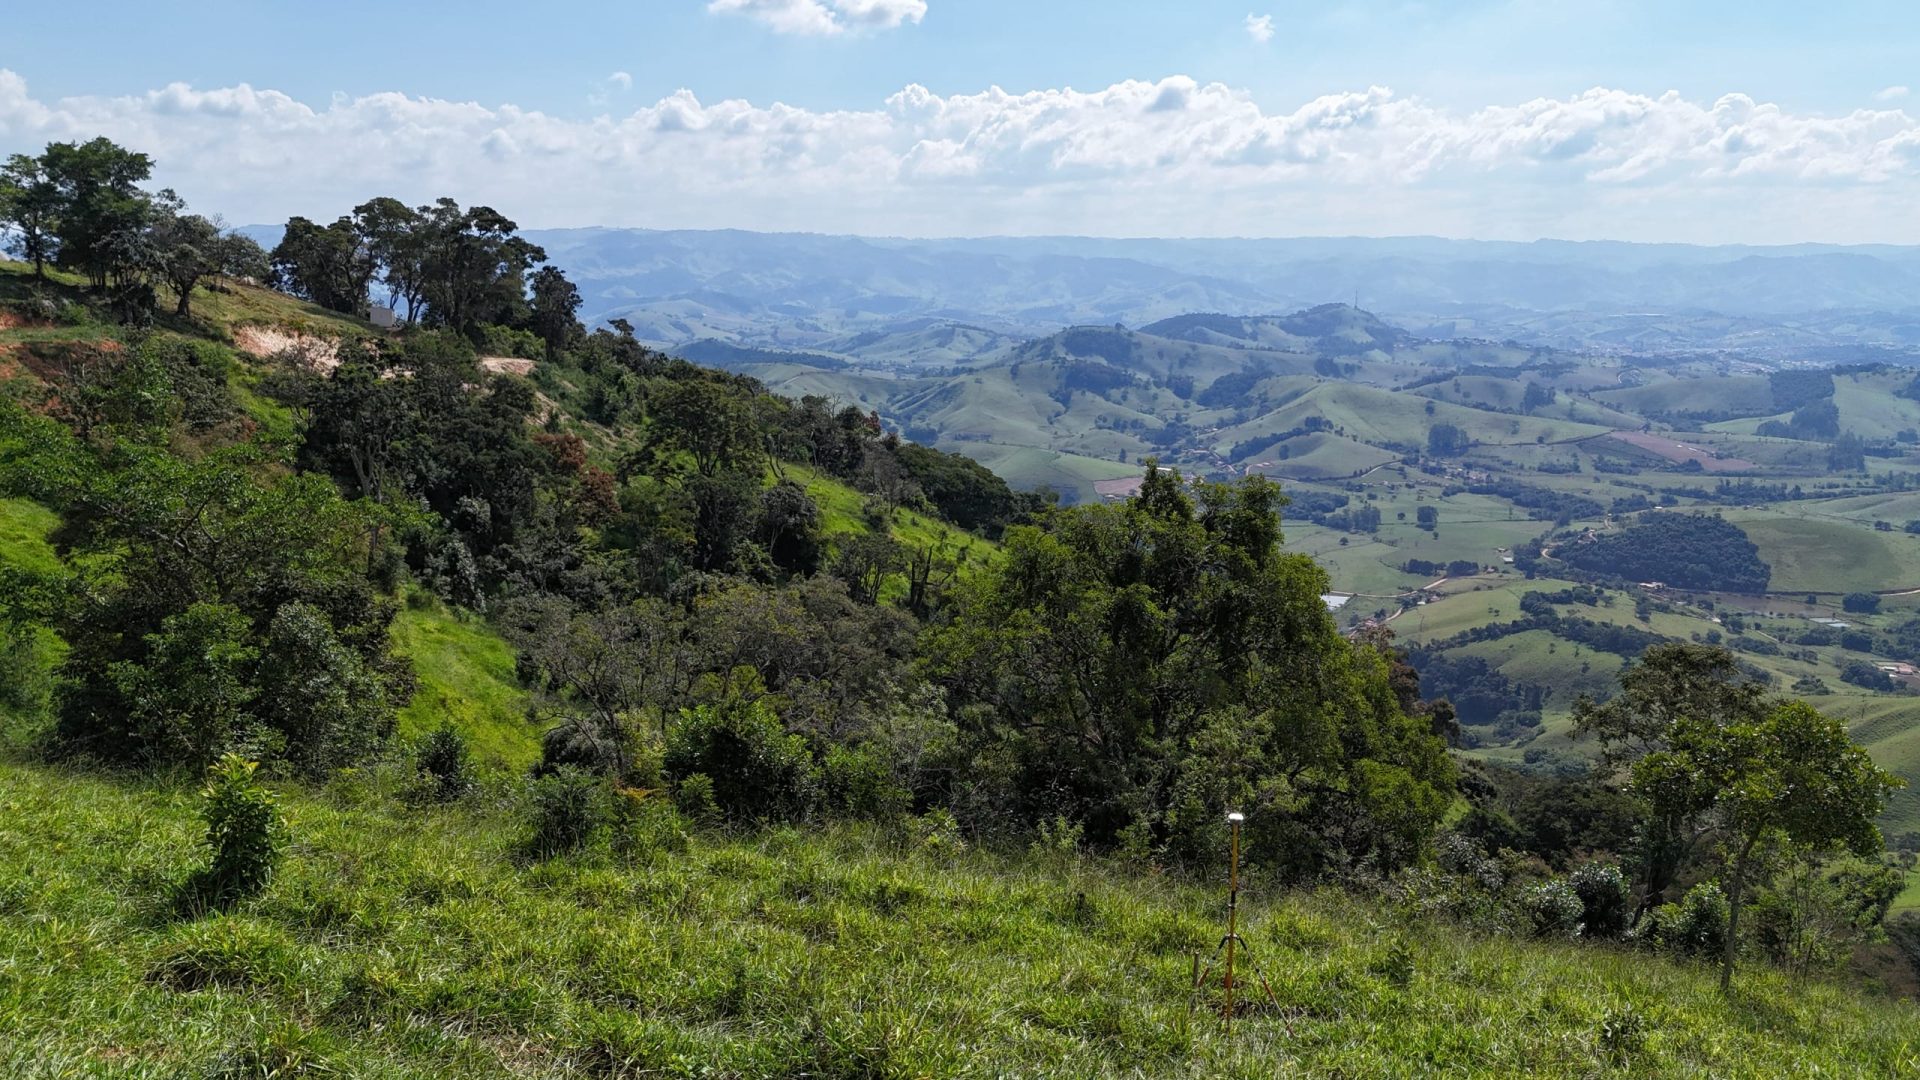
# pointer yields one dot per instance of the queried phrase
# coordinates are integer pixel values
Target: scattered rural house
(1335, 601)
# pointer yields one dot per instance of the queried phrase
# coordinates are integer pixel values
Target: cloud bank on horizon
(1172, 157)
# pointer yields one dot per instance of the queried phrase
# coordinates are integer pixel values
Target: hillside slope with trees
(831, 748)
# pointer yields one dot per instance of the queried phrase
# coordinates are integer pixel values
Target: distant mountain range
(888, 301)
(878, 300)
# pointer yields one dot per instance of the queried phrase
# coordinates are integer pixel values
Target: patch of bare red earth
(1673, 450)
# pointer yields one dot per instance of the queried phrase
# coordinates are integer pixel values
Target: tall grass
(420, 941)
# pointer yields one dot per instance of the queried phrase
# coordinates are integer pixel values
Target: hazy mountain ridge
(819, 293)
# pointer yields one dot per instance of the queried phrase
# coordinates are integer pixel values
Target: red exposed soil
(1679, 451)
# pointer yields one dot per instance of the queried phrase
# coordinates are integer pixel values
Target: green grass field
(466, 679)
(1821, 556)
(1321, 455)
(24, 529)
(1027, 467)
(418, 942)
(1749, 394)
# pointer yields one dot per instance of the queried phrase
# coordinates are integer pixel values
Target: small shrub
(1555, 909)
(694, 796)
(1396, 965)
(857, 781)
(938, 833)
(1463, 856)
(1059, 839)
(758, 771)
(571, 809)
(25, 678)
(1621, 1036)
(1604, 899)
(245, 836)
(645, 826)
(1135, 848)
(444, 764)
(1696, 926)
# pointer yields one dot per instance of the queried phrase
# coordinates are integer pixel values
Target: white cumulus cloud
(1892, 93)
(1260, 27)
(823, 17)
(1172, 156)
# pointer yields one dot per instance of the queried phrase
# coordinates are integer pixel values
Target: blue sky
(1761, 122)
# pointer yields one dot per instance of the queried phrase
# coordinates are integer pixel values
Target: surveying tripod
(1232, 945)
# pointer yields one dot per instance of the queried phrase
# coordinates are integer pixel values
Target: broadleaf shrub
(759, 772)
(245, 836)
(1696, 926)
(444, 764)
(571, 809)
(1555, 909)
(1604, 899)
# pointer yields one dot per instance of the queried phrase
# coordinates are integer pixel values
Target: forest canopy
(1690, 551)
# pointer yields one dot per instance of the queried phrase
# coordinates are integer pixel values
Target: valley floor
(412, 942)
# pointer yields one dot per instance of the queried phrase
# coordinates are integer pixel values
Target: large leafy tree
(1149, 665)
(189, 250)
(394, 238)
(101, 203)
(474, 268)
(1789, 779)
(1670, 683)
(556, 305)
(708, 419)
(327, 264)
(30, 210)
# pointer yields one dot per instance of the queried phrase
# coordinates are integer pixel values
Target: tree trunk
(1735, 888)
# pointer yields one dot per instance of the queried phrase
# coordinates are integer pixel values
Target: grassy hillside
(466, 679)
(1030, 467)
(216, 314)
(24, 529)
(1810, 554)
(403, 942)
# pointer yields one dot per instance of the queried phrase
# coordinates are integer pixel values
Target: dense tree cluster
(80, 206)
(1544, 504)
(1143, 667)
(437, 265)
(1690, 551)
(1796, 388)
(210, 607)
(1447, 440)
